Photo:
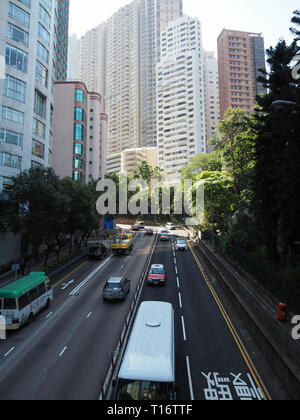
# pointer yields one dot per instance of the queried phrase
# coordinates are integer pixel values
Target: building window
(79, 132)
(39, 129)
(16, 58)
(44, 16)
(11, 137)
(40, 102)
(17, 34)
(14, 115)
(14, 88)
(38, 149)
(12, 161)
(41, 74)
(79, 114)
(80, 96)
(42, 52)
(19, 14)
(78, 149)
(26, 3)
(44, 35)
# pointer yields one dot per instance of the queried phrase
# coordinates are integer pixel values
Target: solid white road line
(74, 291)
(190, 378)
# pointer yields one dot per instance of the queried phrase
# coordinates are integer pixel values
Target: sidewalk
(9, 277)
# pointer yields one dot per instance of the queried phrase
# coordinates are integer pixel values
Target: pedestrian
(22, 266)
(57, 249)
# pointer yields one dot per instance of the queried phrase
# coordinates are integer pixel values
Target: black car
(97, 252)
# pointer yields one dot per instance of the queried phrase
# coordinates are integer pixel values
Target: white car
(163, 229)
(181, 245)
(170, 226)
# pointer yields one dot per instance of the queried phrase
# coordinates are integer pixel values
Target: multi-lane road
(66, 352)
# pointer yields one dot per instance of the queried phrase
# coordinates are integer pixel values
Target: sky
(269, 17)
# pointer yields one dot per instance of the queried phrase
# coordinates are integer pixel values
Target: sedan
(157, 275)
(149, 232)
(164, 237)
(181, 245)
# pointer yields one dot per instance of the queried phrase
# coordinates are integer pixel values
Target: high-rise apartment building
(118, 59)
(72, 45)
(90, 59)
(122, 93)
(62, 38)
(211, 73)
(27, 41)
(241, 56)
(27, 77)
(155, 15)
(180, 96)
(79, 133)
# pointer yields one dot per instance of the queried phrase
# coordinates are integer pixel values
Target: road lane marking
(233, 331)
(46, 317)
(183, 328)
(178, 285)
(9, 351)
(176, 269)
(65, 285)
(62, 352)
(180, 301)
(74, 291)
(69, 275)
(190, 378)
(88, 316)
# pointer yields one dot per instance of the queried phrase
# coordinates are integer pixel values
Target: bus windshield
(144, 390)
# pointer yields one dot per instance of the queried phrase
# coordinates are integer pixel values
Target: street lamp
(280, 105)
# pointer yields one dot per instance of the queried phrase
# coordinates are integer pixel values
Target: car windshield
(181, 241)
(157, 271)
(113, 286)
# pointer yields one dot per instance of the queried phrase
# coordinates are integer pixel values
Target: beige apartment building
(241, 55)
(130, 159)
(79, 133)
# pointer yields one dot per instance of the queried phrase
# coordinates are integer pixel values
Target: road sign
(108, 224)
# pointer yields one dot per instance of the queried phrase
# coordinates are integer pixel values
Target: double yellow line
(234, 333)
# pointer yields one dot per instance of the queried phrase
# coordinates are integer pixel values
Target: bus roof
(21, 286)
(149, 354)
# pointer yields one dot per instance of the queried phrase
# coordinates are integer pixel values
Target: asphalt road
(66, 352)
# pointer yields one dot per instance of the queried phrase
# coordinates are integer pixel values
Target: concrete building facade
(211, 73)
(240, 55)
(180, 96)
(79, 134)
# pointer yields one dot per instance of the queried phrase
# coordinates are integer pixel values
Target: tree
(277, 150)
(198, 163)
(235, 144)
(40, 207)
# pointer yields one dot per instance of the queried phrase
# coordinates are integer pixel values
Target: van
(147, 371)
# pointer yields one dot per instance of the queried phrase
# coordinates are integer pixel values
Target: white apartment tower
(122, 94)
(90, 59)
(181, 123)
(27, 78)
(212, 95)
(155, 15)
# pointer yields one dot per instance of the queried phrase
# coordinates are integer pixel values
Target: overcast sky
(270, 17)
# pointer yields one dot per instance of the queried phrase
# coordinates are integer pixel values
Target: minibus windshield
(144, 390)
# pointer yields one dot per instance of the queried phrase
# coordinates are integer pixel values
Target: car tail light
(104, 287)
(15, 321)
(122, 287)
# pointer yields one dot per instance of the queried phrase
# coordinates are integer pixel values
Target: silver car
(181, 245)
(116, 288)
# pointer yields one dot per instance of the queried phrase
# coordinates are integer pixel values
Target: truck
(122, 243)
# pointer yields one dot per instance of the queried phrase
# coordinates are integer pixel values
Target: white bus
(21, 300)
(147, 371)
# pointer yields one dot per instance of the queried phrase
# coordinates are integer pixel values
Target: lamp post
(212, 217)
(280, 105)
